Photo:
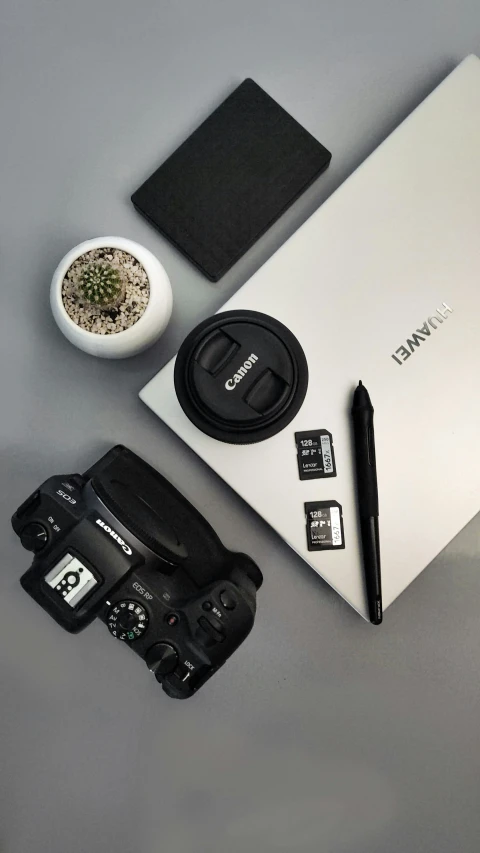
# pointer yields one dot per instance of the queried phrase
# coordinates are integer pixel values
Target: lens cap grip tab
(241, 376)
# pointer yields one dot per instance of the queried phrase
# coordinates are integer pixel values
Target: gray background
(321, 734)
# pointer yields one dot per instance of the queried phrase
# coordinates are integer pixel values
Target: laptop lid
(382, 284)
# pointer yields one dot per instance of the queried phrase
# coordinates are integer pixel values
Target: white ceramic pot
(148, 327)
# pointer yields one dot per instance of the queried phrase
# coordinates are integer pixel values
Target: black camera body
(122, 544)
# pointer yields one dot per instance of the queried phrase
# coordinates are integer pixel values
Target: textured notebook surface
(231, 179)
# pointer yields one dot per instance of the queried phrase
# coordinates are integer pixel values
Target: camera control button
(227, 600)
(161, 659)
(34, 537)
(127, 620)
(216, 624)
(212, 628)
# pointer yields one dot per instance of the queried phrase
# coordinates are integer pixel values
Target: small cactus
(102, 285)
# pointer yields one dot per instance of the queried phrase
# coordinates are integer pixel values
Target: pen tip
(360, 382)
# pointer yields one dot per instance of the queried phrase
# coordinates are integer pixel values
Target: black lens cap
(241, 376)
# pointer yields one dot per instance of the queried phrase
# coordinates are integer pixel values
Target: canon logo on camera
(241, 372)
(121, 542)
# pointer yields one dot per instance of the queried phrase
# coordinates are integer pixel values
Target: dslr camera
(122, 544)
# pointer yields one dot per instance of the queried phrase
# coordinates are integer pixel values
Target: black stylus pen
(367, 492)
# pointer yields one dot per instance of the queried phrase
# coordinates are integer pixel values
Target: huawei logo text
(420, 335)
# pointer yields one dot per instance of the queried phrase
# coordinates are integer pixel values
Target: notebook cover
(231, 179)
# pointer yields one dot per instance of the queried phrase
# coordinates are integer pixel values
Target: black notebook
(231, 179)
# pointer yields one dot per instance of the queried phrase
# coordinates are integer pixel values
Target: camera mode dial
(127, 620)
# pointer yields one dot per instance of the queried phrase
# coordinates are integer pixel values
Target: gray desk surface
(321, 735)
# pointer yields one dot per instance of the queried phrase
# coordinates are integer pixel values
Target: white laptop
(382, 284)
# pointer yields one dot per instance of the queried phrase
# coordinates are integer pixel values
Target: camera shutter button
(34, 537)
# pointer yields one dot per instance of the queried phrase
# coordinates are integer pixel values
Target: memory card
(324, 526)
(315, 454)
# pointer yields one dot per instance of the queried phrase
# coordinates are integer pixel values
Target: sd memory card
(315, 454)
(324, 526)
